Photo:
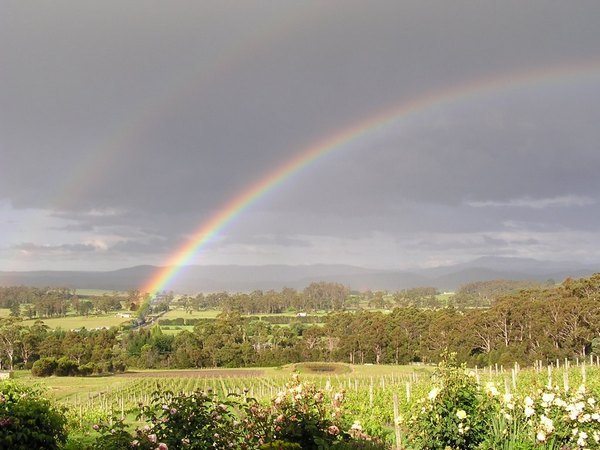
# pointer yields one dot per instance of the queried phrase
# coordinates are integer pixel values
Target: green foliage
(28, 421)
(113, 436)
(44, 367)
(454, 414)
(66, 368)
(522, 322)
(194, 421)
(197, 418)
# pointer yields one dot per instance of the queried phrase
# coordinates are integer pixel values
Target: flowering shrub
(454, 415)
(299, 414)
(191, 421)
(549, 418)
(457, 413)
(28, 420)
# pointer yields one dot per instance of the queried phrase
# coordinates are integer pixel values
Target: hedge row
(65, 367)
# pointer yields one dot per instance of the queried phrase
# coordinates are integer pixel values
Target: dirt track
(201, 373)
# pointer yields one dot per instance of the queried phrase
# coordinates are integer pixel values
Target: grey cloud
(564, 201)
(137, 247)
(36, 249)
(279, 240)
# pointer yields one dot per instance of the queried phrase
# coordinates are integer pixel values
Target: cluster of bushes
(65, 367)
(181, 321)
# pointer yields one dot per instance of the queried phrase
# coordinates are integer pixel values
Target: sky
(125, 126)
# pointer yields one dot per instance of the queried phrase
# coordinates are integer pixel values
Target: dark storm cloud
(134, 122)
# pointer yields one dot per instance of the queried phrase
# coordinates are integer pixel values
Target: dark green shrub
(86, 369)
(119, 365)
(65, 367)
(28, 421)
(44, 367)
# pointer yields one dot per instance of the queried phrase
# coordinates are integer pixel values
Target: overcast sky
(125, 125)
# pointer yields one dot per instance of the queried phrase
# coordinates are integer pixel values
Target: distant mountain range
(192, 279)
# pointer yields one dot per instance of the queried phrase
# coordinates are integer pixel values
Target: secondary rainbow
(466, 91)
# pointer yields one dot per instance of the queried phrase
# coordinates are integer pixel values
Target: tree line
(543, 323)
(33, 302)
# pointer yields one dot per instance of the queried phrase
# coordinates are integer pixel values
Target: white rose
(541, 436)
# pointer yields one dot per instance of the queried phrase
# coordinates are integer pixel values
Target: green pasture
(174, 329)
(97, 292)
(76, 322)
(180, 313)
(445, 297)
(65, 388)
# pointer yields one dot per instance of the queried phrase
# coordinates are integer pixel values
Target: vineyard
(380, 399)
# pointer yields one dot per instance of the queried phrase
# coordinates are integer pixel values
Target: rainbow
(466, 91)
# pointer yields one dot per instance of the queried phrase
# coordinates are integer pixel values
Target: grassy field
(174, 329)
(84, 292)
(445, 297)
(4, 312)
(74, 322)
(63, 388)
(177, 313)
